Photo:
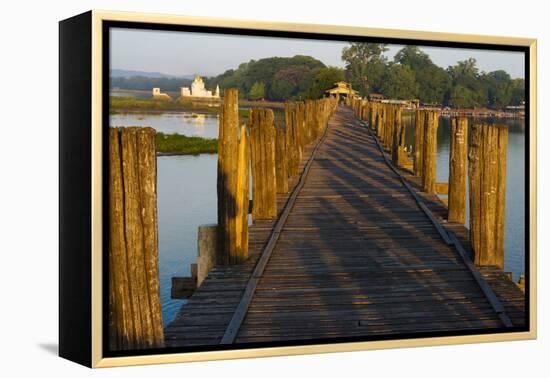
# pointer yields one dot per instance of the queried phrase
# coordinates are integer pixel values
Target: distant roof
(341, 87)
(376, 95)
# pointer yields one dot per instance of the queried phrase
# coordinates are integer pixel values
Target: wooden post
(227, 178)
(420, 118)
(458, 170)
(299, 133)
(281, 159)
(378, 123)
(488, 153)
(310, 124)
(429, 154)
(474, 173)
(290, 138)
(388, 134)
(240, 252)
(374, 116)
(262, 153)
(207, 243)
(399, 154)
(134, 309)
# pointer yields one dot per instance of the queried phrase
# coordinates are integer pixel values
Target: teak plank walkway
(356, 257)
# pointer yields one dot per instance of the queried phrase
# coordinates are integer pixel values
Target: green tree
(257, 92)
(433, 81)
(400, 82)
(365, 64)
(469, 87)
(283, 78)
(462, 97)
(499, 88)
(518, 92)
(286, 83)
(324, 79)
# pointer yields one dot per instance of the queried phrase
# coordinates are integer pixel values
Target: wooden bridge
(357, 249)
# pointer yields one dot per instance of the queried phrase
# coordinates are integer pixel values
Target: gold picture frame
(97, 230)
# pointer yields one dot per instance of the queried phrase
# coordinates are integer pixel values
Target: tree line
(410, 75)
(279, 79)
(413, 75)
(167, 84)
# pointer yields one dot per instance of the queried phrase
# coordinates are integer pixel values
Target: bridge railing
(267, 154)
(479, 163)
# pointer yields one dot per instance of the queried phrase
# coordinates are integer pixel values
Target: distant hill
(151, 75)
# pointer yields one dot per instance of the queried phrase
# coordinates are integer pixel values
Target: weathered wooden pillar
(389, 122)
(420, 118)
(291, 142)
(399, 153)
(391, 128)
(240, 253)
(487, 155)
(379, 123)
(207, 245)
(458, 170)
(135, 315)
(429, 154)
(228, 163)
(372, 115)
(262, 153)
(300, 134)
(281, 162)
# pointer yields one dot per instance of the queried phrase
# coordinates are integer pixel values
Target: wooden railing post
(458, 170)
(300, 133)
(135, 315)
(372, 115)
(429, 153)
(262, 153)
(487, 156)
(281, 159)
(420, 118)
(240, 253)
(399, 153)
(233, 179)
(207, 245)
(291, 138)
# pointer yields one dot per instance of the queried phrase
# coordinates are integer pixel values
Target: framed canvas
(234, 189)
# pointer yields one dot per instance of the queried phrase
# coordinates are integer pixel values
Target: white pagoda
(198, 90)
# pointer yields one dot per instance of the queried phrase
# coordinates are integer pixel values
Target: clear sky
(184, 53)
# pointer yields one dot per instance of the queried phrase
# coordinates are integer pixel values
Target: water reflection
(185, 123)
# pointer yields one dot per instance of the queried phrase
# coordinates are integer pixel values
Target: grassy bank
(121, 104)
(175, 144)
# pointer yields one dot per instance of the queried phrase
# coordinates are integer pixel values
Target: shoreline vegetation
(177, 144)
(127, 104)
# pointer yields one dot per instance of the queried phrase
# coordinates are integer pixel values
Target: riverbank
(176, 144)
(130, 103)
(119, 104)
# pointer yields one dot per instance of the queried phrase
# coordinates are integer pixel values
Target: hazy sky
(184, 53)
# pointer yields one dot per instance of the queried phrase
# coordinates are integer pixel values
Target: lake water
(185, 123)
(187, 193)
(186, 199)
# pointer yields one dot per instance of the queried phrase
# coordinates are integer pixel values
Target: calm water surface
(187, 193)
(185, 123)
